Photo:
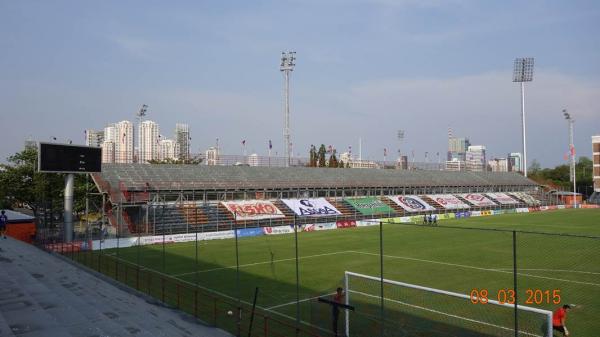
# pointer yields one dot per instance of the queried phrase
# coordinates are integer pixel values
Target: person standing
(3, 221)
(338, 298)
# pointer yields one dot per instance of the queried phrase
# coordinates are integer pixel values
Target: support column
(68, 216)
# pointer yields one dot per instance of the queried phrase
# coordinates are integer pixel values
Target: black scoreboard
(69, 158)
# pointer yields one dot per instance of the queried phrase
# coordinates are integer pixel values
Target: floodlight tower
(140, 115)
(523, 72)
(400, 136)
(287, 65)
(571, 121)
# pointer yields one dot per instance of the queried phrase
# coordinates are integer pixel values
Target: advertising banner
(411, 203)
(478, 200)
(369, 205)
(560, 206)
(486, 213)
(448, 201)
(528, 199)
(325, 226)
(476, 213)
(522, 210)
(363, 223)
(463, 214)
(502, 198)
(345, 224)
(447, 216)
(246, 232)
(308, 228)
(311, 207)
(253, 209)
(158, 239)
(287, 229)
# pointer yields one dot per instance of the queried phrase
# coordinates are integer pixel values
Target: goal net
(413, 310)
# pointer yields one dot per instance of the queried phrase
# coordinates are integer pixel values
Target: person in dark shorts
(3, 221)
(338, 298)
(559, 319)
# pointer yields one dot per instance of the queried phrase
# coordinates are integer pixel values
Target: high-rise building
(94, 138)
(212, 156)
(455, 165)
(182, 137)
(148, 147)
(108, 151)
(515, 162)
(168, 149)
(476, 158)
(595, 198)
(457, 148)
(123, 142)
(498, 165)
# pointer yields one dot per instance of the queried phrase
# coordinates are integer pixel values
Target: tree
(321, 156)
(333, 162)
(313, 156)
(534, 167)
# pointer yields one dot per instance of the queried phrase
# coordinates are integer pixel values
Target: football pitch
(551, 270)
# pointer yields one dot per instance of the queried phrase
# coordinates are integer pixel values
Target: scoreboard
(64, 158)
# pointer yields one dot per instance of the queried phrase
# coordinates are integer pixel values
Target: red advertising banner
(345, 224)
(253, 210)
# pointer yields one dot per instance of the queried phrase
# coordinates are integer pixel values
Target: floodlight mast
(287, 65)
(571, 121)
(523, 72)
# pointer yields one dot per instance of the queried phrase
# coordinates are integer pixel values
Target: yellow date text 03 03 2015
(508, 296)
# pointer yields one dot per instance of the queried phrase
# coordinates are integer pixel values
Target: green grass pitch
(440, 257)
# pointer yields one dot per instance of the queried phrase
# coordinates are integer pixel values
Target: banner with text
(253, 209)
(478, 200)
(369, 205)
(411, 203)
(311, 207)
(448, 201)
(502, 198)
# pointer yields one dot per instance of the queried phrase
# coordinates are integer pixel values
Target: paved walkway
(44, 295)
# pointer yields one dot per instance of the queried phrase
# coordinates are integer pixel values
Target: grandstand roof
(200, 177)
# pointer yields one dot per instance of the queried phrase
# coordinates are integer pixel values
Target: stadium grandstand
(171, 199)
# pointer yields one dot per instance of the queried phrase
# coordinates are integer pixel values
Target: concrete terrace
(45, 295)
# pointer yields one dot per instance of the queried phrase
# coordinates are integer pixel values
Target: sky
(365, 69)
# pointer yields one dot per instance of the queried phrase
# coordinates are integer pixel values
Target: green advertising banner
(369, 205)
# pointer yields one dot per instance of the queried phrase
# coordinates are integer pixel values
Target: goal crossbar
(547, 314)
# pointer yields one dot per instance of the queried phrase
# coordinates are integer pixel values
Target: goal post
(414, 308)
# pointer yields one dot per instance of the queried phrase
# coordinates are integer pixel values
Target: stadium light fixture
(523, 72)
(571, 121)
(288, 59)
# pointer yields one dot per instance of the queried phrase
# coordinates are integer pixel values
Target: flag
(270, 145)
(566, 156)
(572, 150)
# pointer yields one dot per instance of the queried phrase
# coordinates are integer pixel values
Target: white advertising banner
(311, 207)
(411, 203)
(448, 201)
(522, 210)
(502, 198)
(253, 209)
(287, 229)
(151, 240)
(478, 200)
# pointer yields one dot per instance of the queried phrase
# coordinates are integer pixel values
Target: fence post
(177, 292)
(266, 326)
(196, 303)
(162, 296)
(514, 239)
(215, 311)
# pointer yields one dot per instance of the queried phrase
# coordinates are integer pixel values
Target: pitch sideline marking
(294, 302)
(263, 262)
(555, 270)
(477, 268)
